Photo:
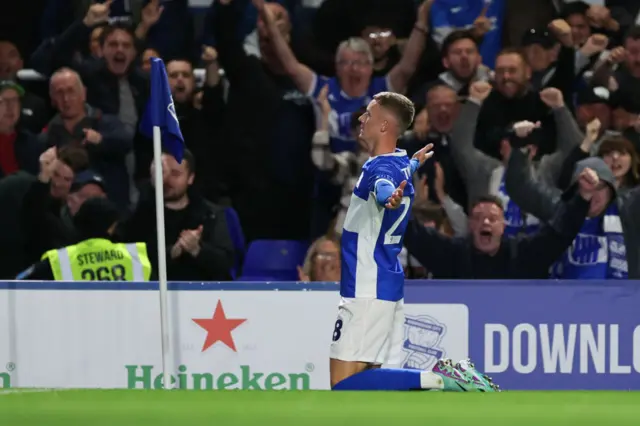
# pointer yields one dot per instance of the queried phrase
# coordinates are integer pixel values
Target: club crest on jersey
(422, 337)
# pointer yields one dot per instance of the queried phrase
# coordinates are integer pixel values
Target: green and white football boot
(480, 382)
(453, 380)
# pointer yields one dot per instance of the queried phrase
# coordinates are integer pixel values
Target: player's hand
(424, 154)
(396, 198)
(588, 183)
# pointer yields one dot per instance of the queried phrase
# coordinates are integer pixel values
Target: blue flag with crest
(161, 112)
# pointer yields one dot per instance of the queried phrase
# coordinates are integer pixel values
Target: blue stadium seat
(273, 260)
(237, 239)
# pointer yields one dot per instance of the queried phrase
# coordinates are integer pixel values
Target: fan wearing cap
(550, 67)
(592, 103)
(19, 149)
(621, 72)
(86, 185)
(608, 244)
(95, 257)
(617, 151)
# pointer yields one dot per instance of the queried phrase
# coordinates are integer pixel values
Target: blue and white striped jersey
(372, 235)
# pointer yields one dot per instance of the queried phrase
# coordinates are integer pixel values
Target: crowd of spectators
(268, 97)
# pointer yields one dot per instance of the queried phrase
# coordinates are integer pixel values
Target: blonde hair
(400, 106)
(309, 259)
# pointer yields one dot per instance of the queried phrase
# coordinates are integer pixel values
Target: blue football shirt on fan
(448, 15)
(372, 235)
(342, 107)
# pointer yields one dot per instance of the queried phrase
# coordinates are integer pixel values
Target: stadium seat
(237, 239)
(273, 260)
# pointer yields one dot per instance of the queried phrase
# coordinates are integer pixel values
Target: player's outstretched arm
(395, 199)
(421, 156)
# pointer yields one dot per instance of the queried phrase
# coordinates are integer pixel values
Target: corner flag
(161, 112)
(160, 122)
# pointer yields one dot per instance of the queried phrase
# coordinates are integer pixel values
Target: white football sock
(430, 380)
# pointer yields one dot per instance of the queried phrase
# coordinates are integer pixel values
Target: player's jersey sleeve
(383, 179)
(380, 171)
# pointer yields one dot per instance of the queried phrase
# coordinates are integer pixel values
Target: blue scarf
(598, 252)
(515, 221)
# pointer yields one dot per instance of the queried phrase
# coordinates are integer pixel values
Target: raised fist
(47, 163)
(482, 24)
(588, 181)
(552, 97)
(562, 30)
(617, 55)
(209, 54)
(151, 13)
(97, 14)
(480, 90)
(593, 130)
(598, 16)
(595, 44)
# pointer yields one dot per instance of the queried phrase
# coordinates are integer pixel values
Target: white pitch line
(14, 391)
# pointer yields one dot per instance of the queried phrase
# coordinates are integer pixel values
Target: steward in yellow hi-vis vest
(96, 258)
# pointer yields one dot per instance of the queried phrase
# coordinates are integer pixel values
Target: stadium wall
(526, 334)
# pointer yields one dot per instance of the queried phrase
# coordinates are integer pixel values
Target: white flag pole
(162, 258)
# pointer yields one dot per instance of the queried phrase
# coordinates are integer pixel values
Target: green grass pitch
(315, 408)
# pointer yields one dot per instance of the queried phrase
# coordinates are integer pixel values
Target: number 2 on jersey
(389, 238)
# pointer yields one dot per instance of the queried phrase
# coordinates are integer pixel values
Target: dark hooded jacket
(541, 200)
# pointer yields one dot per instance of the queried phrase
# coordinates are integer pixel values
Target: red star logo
(219, 328)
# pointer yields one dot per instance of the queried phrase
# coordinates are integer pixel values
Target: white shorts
(368, 330)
